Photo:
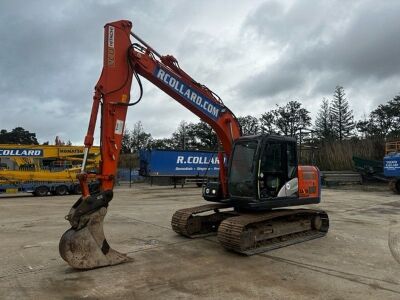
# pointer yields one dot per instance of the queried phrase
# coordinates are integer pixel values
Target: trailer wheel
(41, 191)
(76, 189)
(61, 190)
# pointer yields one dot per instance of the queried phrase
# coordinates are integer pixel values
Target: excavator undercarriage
(250, 233)
(201, 221)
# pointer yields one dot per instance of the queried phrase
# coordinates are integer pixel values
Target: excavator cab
(263, 173)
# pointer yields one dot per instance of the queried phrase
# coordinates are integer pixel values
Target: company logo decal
(21, 152)
(199, 163)
(207, 106)
(110, 48)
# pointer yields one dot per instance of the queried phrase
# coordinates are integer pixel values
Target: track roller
(260, 232)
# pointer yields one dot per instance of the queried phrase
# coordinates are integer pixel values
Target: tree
(384, 121)
(342, 116)
(139, 138)
(18, 136)
(267, 122)
(291, 118)
(126, 142)
(394, 105)
(323, 122)
(202, 136)
(180, 137)
(165, 144)
(249, 124)
(365, 127)
(135, 139)
(58, 141)
(194, 136)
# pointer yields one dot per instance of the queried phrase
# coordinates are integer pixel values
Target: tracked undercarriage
(251, 232)
(201, 220)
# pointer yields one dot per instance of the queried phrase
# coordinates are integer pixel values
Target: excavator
(259, 176)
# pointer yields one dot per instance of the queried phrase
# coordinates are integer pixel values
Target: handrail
(392, 147)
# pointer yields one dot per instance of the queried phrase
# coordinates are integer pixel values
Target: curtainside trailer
(181, 166)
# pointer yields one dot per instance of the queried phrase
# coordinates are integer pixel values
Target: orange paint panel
(308, 182)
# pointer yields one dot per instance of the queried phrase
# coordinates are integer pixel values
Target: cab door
(278, 165)
(243, 170)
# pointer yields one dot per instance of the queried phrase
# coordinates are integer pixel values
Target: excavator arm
(84, 245)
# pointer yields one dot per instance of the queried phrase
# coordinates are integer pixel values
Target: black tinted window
(271, 160)
(241, 177)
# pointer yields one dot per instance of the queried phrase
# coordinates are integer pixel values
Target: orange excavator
(259, 175)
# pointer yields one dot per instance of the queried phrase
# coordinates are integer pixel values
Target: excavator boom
(84, 245)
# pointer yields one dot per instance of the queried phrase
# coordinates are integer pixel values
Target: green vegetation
(18, 136)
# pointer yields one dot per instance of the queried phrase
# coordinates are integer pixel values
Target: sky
(253, 54)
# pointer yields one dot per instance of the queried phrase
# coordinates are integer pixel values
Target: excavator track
(253, 233)
(189, 223)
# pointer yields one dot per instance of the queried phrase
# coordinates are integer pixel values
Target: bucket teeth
(86, 246)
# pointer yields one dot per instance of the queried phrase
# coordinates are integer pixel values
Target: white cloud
(254, 54)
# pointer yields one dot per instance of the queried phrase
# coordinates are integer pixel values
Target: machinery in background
(369, 169)
(260, 173)
(386, 170)
(43, 169)
(391, 165)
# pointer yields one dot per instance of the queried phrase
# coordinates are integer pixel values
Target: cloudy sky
(254, 54)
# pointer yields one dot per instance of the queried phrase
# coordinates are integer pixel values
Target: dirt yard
(352, 262)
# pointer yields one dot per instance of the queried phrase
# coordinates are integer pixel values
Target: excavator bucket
(84, 245)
